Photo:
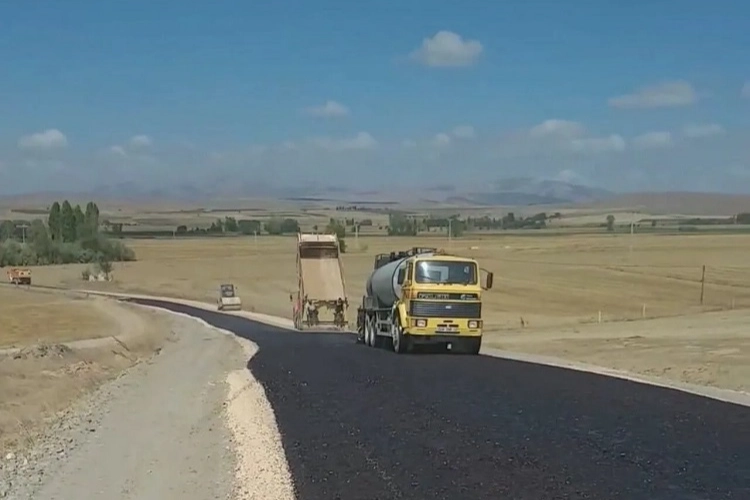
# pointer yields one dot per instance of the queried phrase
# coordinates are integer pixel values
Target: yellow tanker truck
(423, 296)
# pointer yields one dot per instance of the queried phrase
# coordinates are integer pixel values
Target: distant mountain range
(513, 192)
(516, 191)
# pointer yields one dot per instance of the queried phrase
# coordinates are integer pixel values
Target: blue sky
(630, 96)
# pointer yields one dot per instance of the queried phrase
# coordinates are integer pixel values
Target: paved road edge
(726, 395)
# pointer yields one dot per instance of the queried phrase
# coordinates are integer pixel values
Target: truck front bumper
(443, 329)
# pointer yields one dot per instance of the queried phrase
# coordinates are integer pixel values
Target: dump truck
(228, 299)
(321, 301)
(19, 276)
(423, 296)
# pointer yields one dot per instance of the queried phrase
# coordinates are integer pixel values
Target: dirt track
(158, 432)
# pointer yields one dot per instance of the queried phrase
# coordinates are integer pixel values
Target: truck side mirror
(401, 275)
(488, 279)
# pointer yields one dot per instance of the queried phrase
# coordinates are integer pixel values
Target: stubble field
(559, 285)
(55, 347)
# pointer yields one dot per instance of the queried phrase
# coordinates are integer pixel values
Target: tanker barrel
(383, 284)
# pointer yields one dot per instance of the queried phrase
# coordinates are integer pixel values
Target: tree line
(400, 224)
(71, 235)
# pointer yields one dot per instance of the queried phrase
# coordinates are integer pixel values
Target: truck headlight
(473, 324)
(421, 323)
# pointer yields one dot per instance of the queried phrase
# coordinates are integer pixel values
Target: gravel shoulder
(169, 427)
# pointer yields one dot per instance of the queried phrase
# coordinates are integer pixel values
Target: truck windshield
(446, 272)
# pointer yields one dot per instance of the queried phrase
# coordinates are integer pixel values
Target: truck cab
(441, 300)
(424, 296)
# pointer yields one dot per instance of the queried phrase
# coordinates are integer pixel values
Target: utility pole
(450, 231)
(632, 231)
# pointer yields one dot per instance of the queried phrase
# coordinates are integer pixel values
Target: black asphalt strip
(360, 423)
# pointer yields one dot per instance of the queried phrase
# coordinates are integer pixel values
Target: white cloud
(408, 143)
(745, 92)
(48, 139)
(705, 130)
(331, 109)
(464, 132)
(118, 150)
(441, 139)
(361, 141)
(447, 49)
(652, 140)
(140, 141)
(664, 94)
(611, 143)
(557, 128)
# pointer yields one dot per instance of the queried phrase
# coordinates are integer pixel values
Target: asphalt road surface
(362, 423)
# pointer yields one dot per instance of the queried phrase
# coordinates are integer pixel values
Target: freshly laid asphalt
(360, 423)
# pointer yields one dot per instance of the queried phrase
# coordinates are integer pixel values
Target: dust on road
(158, 432)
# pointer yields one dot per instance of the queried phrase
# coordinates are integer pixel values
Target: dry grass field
(54, 360)
(30, 317)
(559, 285)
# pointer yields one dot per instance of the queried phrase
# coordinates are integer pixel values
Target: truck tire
(401, 342)
(369, 333)
(472, 346)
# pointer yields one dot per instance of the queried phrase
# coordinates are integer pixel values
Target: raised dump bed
(321, 285)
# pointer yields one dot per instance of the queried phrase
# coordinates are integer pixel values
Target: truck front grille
(434, 309)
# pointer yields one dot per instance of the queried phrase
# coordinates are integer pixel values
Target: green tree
(400, 225)
(456, 227)
(274, 226)
(81, 229)
(105, 266)
(610, 222)
(68, 222)
(54, 221)
(41, 244)
(335, 227)
(91, 219)
(247, 226)
(230, 225)
(7, 230)
(289, 226)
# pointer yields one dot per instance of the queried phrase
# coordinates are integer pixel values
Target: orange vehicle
(19, 276)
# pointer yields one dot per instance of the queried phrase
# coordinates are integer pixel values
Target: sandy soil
(190, 423)
(711, 349)
(40, 380)
(31, 316)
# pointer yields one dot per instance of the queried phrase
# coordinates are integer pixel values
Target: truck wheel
(401, 342)
(368, 333)
(472, 346)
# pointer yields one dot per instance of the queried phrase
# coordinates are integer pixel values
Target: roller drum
(383, 284)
